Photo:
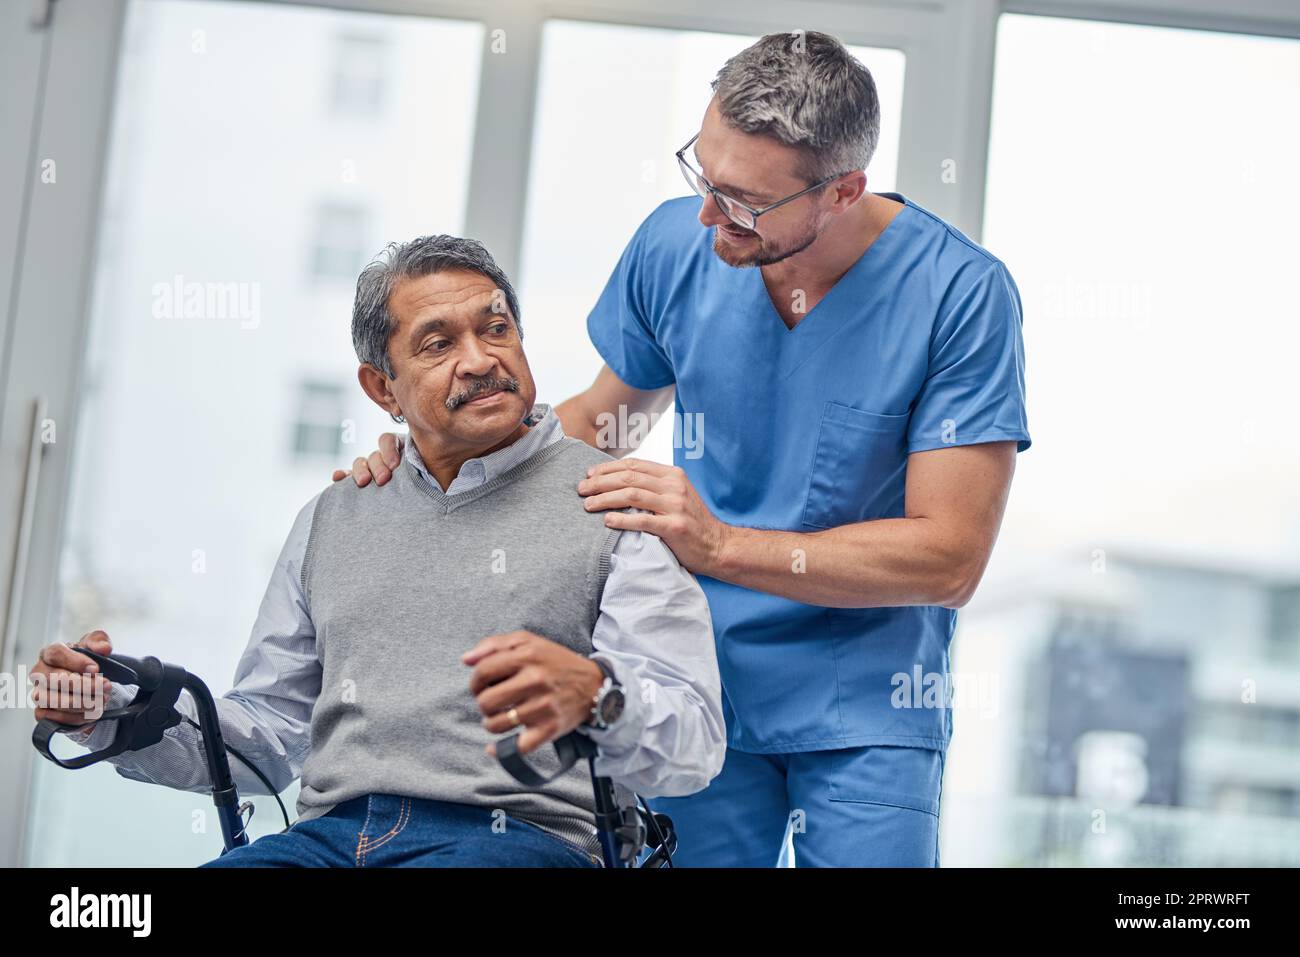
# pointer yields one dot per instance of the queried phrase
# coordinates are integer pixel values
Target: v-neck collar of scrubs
(792, 347)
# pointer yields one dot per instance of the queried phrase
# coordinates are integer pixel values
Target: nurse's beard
(763, 257)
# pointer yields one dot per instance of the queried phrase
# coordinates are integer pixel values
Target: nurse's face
(757, 170)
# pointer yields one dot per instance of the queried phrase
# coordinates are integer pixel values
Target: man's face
(461, 376)
(756, 170)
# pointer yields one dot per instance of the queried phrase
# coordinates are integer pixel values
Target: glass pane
(1142, 596)
(260, 155)
(614, 105)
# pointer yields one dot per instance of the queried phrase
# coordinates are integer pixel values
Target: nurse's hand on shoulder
(673, 509)
(379, 466)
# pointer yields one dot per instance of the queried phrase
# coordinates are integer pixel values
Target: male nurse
(853, 369)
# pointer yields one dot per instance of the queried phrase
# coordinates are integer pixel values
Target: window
(339, 242)
(318, 430)
(1284, 623)
(216, 173)
(358, 80)
(1140, 190)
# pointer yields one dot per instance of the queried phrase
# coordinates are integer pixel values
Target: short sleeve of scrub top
(974, 390)
(619, 327)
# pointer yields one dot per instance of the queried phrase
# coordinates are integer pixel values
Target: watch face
(611, 706)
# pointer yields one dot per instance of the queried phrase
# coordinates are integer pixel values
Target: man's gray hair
(372, 323)
(805, 90)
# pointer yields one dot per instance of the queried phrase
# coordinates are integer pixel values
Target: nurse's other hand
(673, 509)
(379, 466)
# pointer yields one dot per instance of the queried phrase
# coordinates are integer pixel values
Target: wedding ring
(513, 715)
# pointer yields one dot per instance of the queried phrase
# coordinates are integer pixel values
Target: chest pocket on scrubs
(857, 468)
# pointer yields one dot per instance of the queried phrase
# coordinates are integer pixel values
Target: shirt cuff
(101, 733)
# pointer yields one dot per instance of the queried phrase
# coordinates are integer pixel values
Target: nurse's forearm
(575, 420)
(604, 414)
(934, 556)
(888, 562)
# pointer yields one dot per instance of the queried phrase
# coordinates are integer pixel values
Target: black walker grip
(140, 724)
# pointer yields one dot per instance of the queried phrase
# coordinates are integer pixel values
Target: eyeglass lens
(736, 214)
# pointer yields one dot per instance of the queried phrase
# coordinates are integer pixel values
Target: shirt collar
(544, 429)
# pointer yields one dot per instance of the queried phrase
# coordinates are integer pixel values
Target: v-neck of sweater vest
(449, 503)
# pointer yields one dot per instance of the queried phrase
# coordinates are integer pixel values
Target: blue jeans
(874, 806)
(387, 830)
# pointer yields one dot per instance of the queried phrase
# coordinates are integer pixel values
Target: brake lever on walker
(621, 831)
(569, 749)
(141, 723)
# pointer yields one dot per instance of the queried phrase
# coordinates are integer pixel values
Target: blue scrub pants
(874, 806)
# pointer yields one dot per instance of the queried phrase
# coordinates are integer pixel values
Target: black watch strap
(609, 672)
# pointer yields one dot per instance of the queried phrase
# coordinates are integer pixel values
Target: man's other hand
(549, 687)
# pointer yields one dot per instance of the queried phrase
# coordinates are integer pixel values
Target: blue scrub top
(918, 346)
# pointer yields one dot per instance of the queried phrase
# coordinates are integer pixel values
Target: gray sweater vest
(402, 580)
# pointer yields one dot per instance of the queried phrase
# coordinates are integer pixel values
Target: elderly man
(470, 596)
(859, 364)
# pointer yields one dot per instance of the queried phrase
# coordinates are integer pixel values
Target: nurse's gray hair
(805, 90)
(372, 323)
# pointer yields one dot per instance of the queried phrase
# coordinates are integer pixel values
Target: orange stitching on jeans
(361, 834)
(403, 818)
(401, 812)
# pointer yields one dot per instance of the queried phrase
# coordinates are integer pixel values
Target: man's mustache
(478, 387)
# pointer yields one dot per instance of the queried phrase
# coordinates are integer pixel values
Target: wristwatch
(607, 704)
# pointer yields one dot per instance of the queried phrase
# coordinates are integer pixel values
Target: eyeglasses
(742, 214)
